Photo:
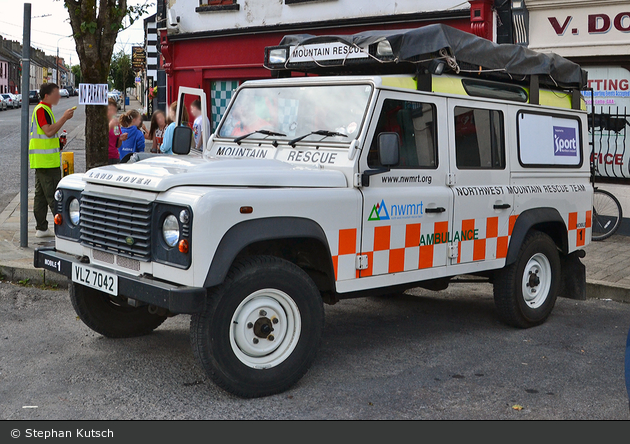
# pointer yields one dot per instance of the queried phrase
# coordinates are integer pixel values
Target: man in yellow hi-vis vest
(44, 156)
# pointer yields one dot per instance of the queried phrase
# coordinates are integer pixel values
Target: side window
(546, 140)
(415, 124)
(479, 139)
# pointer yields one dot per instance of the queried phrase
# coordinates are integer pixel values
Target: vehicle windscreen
(298, 110)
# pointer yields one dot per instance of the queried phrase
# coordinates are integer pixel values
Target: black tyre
(111, 318)
(525, 292)
(260, 330)
(606, 216)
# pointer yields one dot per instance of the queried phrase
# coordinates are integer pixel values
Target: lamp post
(57, 59)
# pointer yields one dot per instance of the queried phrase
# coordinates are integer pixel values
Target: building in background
(4, 75)
(217, 44)
(597, 36)
(13, 57)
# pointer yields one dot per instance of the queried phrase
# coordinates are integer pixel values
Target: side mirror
(182, 139)
(388, 149)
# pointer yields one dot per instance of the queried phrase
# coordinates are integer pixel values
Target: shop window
(217, 5)
(479, 139)
(415, 124)
(220, 95)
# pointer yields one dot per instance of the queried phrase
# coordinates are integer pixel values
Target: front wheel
(113, 318)
(259, 331)
(525, 292)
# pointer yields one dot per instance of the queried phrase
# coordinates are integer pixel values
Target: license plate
(93, 278)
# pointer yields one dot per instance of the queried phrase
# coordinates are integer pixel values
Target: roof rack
(424, 52)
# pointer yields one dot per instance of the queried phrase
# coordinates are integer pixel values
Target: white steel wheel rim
(249, 341)
(536, 280)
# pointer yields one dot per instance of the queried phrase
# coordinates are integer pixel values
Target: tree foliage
(78, 77)
(95, 25)
(121, 72)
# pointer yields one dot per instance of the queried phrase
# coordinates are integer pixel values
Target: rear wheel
(111, 317)
(260, 330)
(525, 292)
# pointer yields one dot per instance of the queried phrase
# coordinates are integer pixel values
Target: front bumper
(175, 298)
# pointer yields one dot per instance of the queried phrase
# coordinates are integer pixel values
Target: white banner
(92, 94)
(325, 51)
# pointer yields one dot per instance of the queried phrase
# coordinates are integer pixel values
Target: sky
(50, 31)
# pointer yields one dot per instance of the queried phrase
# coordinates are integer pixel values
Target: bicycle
(606, 216)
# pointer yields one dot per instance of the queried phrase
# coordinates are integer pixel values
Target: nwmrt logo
(379, 212)
(397, 211)
(565, 141)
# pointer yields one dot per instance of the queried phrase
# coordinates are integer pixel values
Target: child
(167, 143)
(195, 110)
(115, 138)
(135, 138)
(156, 131)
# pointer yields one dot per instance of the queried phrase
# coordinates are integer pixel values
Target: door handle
(435, 210)
(502, 206)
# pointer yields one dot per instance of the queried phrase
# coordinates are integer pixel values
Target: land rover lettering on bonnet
(407, 158)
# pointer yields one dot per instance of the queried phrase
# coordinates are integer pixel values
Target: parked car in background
(19, 98)
(3, 103)
(116, 97)
(64, 92)
(33, 96)
(11, 100)
(71, 90)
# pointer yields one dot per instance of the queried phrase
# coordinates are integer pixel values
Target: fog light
(384, 48)
(183, 246)
(278, 55)
(58, 195)
(58, 219)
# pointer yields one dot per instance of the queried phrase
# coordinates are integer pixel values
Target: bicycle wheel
(606, 215)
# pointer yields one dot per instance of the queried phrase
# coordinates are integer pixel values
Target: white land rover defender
(409, 158)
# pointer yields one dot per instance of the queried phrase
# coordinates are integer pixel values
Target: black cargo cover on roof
(468, 51)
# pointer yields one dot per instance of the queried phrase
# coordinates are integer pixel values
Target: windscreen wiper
(265, 132)
(319, 133)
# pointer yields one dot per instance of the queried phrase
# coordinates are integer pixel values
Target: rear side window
(546, 140)
(479, 138)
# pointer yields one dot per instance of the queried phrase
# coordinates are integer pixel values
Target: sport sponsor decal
(380, 211)
(565, 141)
(231, 151)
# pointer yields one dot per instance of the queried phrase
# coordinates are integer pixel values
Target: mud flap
(573, 276)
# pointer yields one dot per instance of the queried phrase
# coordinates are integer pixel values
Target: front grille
(117, 226)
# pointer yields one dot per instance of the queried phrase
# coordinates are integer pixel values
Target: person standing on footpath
(44, 154)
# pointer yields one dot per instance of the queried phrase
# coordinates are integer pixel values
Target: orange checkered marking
(382, 237)
(412, 235)
(512, 222)
(502, 247)
(492, 227)
(426, 256)
(479, 250)
(347, 245)
(348, 241)
(396, 260)
(572, 221)
(589, 219)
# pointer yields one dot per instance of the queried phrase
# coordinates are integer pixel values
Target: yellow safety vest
(43, 151)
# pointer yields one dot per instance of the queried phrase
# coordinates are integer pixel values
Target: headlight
(74, 211)
(170, 230)
(278, 55)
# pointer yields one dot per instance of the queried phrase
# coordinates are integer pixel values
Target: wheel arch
(299, 240)
(547, 220)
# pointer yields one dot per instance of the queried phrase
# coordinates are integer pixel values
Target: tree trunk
(96, 136)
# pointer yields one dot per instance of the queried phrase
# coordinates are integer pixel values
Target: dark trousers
(46, 180)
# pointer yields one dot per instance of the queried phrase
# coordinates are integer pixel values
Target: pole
(26, 75)
(57, 64)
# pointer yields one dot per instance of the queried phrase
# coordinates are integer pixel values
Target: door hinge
(451, 179)
(452, 251)
(357, 180)
(361, 262)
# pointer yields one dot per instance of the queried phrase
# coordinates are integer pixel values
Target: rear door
(479, 179)
(407, 211)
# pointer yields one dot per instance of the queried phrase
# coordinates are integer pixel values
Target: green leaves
(88, 26)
